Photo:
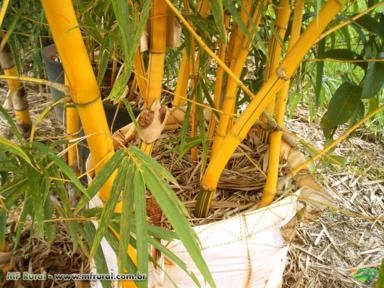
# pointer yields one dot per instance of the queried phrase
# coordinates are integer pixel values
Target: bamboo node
(282, 74)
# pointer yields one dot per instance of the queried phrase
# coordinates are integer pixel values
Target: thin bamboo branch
(345, 23)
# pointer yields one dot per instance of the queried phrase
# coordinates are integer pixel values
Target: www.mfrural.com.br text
(26, 276)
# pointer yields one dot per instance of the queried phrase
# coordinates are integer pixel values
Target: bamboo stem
(243, 45)
(17, 95)
(182, 82)
(85, 93)
(200, 41)
(275, 46)
(158, 46)
(218, 83)
(83, 86)
(3, 10)
(260, 102)
(281, 102)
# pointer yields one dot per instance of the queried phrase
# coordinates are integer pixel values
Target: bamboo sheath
(16, 98)
(260, 102)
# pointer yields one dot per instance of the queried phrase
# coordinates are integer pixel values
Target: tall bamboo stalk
(275, 45)
(84, 91)
(182, 80)
(241, 48)
(260, 102)
(72, 131)
(17, 95)
(281, 101)
(217, 100)
(158, 46)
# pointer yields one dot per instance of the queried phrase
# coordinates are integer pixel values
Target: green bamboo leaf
(176, 215)
(104, 57)
(371, 24)
(188, 144)
(231, 6)
(127, 218)
(380, 280)
(344, 103)
(131, 31)
(218, 14)
(319, 73)
(169, 254)
(7, 145)
(27, 210)
(36, 185)
(12, 124)
(114, 241)
(107, 214)
(140, 222)
(89, 232)
(101, 177)
(3, 228)
(158, 169)
(327, 126)
(161, 233)
(60, 163)
(13, 191)
(341, 54)
(366, 275)
(374, 78)
(49, 226)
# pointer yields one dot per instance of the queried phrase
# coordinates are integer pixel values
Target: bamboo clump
(249, 117)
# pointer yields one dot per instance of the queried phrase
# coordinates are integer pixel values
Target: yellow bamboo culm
(260, 102)
(275, 47)
(217, 100)
(158, 46)
(182, 80)
(281, 102)
(73, 132)
(84, 91)
(17, 96)
(240, 51)
(72, 127)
